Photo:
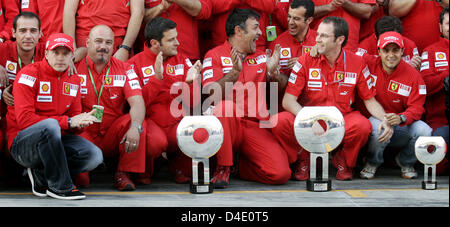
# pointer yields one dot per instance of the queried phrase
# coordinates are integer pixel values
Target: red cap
(59, 39)
(390, 37)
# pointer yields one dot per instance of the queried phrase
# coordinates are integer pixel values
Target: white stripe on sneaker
(30, 175)
(56, 196)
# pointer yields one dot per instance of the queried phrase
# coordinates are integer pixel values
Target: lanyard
(93, 82)
(20, 61)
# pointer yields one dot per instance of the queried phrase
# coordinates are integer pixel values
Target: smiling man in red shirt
(239, 65)
(161, 67)
(332, 79)
(110, 84)
(124, 17)
(401, 91)
(299, 38)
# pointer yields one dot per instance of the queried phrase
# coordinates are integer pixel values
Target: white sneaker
(368, 172)
(408, 172)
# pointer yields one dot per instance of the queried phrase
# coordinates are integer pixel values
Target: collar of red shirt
(445, 41)
(340, 60)
(229, 47)
(91, 66)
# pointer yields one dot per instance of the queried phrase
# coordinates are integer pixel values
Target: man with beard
(237, 64)
(331, 79)
(106, 85)
(299, 38)
(160, 68)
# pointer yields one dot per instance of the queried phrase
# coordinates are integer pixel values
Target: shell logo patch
(11, 67)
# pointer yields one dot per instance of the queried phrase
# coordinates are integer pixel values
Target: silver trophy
(318, 145)
(430, 150)
(200, 151)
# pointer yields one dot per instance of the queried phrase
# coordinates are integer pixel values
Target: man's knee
(51, 128)
(157, 145)
(420, 128)
(281, 121)
(95, 158)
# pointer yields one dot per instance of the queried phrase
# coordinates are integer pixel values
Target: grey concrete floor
(388, 189)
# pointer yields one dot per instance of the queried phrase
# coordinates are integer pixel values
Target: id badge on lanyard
(98, 108)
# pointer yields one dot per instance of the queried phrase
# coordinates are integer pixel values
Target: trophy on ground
(200, 151)
(318, 145)
(430, 150)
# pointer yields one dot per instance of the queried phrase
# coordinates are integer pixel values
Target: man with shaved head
(108, 84)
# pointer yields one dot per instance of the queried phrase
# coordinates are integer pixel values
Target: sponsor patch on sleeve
(297, 67)
(292, 78)
(207, 74)
(425, 65)
(27, 80)
(134, 84)
(131, 74)
(207, 62)
(422, 89)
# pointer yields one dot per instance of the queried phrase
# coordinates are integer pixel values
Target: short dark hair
(26, 14)
(238, 17)
(156, 27)
(307, 4)
(340, 27)
(441, 16)
(388, 24)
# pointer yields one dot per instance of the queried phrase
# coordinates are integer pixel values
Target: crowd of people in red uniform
(83, 81)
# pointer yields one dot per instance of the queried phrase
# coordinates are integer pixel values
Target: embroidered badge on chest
(399, 88)
(70, 89)
(44, 87)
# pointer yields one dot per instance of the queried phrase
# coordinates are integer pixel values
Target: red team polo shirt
(217, 64)
(40, 93)
(434, 70)
(291, 48)
(115, 14)
(353, 22)
(50, 12)
(369, 46)
(316, 84)
(421, 24)
(8, 10)
(187, 26)
(157, 92)
(402, 92)
(120, 84)
(9, 58)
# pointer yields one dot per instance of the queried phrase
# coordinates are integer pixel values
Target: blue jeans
(404, 137)
(443, 131)
(53, 157)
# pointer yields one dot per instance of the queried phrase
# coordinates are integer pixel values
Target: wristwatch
(139, 127)
(402, 118)
(124, 47)
(69, 120)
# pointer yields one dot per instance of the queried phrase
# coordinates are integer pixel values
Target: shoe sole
(30, 176)
(406, 177)
(53, 195)
(128, 187)
(367, 178)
